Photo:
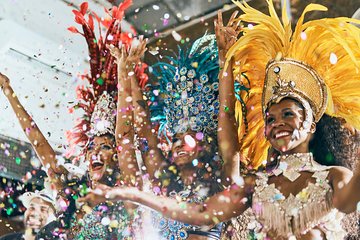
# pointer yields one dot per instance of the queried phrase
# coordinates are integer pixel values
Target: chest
(292, 207)
(287, 187)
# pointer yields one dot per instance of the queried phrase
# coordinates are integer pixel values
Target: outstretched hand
(103, 193)
(128, 58)
(96, 196)
(227, 35)
(4, 80)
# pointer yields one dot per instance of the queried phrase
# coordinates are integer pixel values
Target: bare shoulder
(339, 173)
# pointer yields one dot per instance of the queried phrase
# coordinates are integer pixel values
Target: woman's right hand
(4, 81)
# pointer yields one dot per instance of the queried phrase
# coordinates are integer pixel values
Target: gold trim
(297, 80)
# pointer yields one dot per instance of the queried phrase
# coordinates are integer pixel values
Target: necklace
(291, 165)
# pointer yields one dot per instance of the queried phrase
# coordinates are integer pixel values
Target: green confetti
(182, 205)
(100, 81)
(18, 160)
(226, 108)
(9, 211)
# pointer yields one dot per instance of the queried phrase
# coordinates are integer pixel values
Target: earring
(115, 157)
(313, 127)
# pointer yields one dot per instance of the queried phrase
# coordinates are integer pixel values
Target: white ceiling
(42, 59)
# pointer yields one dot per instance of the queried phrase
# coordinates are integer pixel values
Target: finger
(143, 51)
(133, 52)
(123, 51)
(220, 20)
(217, 30)
(230, 31)
(231, 20)
(101, 187)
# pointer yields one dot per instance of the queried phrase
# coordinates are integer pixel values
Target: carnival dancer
(296, 77)
(191, 154)
(189, 87)
(99, 132)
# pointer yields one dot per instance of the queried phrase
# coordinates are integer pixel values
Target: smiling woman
(284, 122)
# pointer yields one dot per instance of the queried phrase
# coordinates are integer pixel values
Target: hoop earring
(115, 157)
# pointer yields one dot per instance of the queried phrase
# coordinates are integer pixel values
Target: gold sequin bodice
(295, 215)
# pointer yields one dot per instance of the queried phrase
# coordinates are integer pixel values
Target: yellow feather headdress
(328, 49)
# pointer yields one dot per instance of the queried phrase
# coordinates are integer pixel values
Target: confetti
(333, 58)
(303, 35)
(190, 141)
(195, 162)
(176, 36)
(100, 81)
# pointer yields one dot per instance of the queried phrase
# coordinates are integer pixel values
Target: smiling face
(36, 216)
(283, 124)
(185, 148)
(100, 154)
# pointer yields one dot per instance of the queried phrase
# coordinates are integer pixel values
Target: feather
(102, 64)
(312, 43)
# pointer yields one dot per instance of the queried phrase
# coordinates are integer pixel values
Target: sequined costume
(295, 215)
(97, 98)
(170, 229)
(106, 222)
(189, 87)
(315, 64)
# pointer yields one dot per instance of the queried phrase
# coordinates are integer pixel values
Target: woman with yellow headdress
(295, 77)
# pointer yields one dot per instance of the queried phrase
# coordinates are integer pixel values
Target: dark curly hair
(333, 143)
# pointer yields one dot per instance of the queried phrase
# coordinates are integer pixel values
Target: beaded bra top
(295, 215)
(169, 229)
(106, 221)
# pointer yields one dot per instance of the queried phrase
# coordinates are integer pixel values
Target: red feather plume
(103, 69)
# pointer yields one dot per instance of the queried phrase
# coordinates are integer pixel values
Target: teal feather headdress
(189, 87)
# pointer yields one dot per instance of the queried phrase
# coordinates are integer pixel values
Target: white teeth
(282, 134)
(181, 153)
(97, 161)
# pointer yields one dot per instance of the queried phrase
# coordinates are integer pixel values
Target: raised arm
(218, 208)
(124, 131)
(151, 154)
(44, 151)
(228, 140)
